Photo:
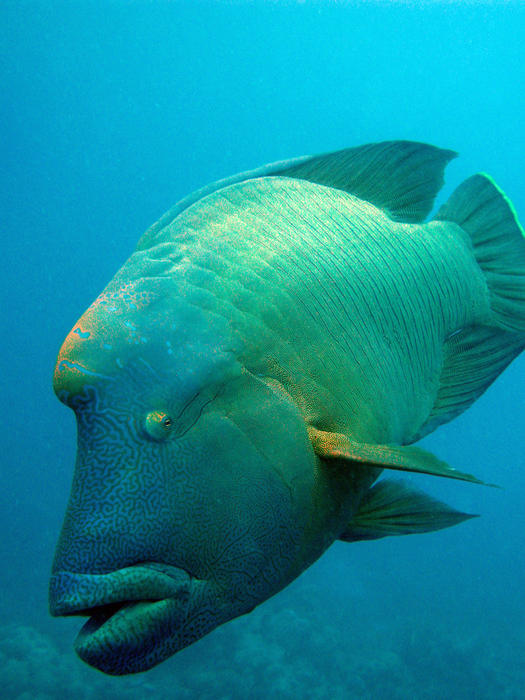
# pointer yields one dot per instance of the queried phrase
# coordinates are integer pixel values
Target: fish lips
(136, 614)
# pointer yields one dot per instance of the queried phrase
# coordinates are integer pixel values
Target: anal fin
(472, 359)
(395, 508)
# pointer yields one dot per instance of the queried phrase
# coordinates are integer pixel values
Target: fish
(276, 341)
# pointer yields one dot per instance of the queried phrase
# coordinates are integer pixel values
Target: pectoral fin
(409, 459)
(395, 508)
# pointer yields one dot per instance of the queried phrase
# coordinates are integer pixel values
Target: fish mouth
(136, 615)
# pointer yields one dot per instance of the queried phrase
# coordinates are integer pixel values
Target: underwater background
(110, 112)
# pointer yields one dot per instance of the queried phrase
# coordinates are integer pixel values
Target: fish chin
(132, 637)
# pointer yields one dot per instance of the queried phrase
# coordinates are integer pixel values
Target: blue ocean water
(112, 111)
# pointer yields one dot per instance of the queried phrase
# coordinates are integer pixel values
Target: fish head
(192, 478)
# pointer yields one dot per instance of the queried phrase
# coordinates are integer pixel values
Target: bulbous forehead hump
(150, 321)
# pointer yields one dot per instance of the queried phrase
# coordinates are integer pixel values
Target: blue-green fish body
(275, 341)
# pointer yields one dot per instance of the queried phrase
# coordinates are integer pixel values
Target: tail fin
(475, 355)
(483, 210)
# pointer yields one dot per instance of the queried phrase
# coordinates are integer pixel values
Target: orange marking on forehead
(71, 377)
(95, 323)
(75, 336)
(126, 298)
(105, 326)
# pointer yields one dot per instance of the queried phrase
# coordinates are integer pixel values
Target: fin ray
(472, 359)
(483, 210)
(328, 445)
(475, 356)
(396, 508)
(400, 177)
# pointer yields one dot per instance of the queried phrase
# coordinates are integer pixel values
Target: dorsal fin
(400, 177)
(166, 219)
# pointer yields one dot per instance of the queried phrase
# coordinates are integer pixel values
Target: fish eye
(158, 425)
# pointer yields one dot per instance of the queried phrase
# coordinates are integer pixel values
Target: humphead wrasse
(275, 341)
